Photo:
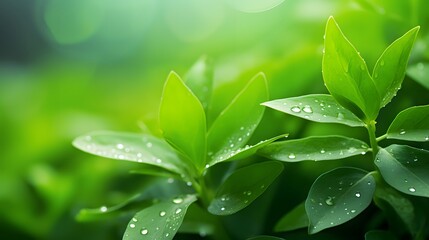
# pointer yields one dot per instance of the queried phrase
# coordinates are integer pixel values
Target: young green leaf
(314, 148)
(200, 80)
(246, 151)
(183, 120)
(316, 107)
(236, 123)
(405, 168)
(389, 71)
(295, 219)
(243, 187)
(155, 171)
(420, 73)
(346, 75)
(412, 124)
(380, 235)
(142, 148)
(160, 221)
(338, 196)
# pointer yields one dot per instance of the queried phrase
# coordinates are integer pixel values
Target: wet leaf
(405, 168)
(412, 124)
(314, 148)
(236, 123)
(337, 197)
(389, 71)
(160, 221)
(243, 187)
(295, 219)
(346, 75)
(183, 120)
(142, 148)
(316, 107)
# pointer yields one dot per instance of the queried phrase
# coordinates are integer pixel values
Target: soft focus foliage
(72, 67)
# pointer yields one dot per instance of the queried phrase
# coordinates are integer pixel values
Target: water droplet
(307, 109)
(329, 201)
(427, 138)
(134, 219)
(262, 186)
(149, 144)
(357, 194)
(167, 234)
(240, 139)
(132, 225)
(382, 63)
(179, 210)
(119, 146)
(411, 189)
(103, 208)
(296, 109)
(162, 213)
(144, 231)
(178, 200)
(352, 211)
(291, 156)
(340, 116)
(222, 208)
(188, 184)
(241, 128)
(322, 151)
(402, 132)
(352, 150)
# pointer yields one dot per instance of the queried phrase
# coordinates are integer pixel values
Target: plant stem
(381, 138)
(372, 138)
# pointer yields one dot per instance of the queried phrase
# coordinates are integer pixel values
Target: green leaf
(412, 124)
(295, 219)
(318, 148)
(396, 204)
(405, 168)
(247, 150)
(237, 122)
(338, 196)
(380, 235)
(160, 221)
(346, 75)
(263, 237)
(420, 73)
(142, 148)
(183, 120)
(155, 171)
(389, 71)
(243, 186)
(316, 107)
(200, 80)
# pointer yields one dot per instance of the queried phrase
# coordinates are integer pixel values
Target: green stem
(381, 138)
(372, 138)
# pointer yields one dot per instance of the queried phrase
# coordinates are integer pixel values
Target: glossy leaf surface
(183, 121)
(160, 221)
(316, 107)
(338, 196)
(412, 124)
(142, 148)
(346, 75)
(243, 186)
(236, 123)
(295, 219)
(389, 71)
(405, 168)
(314, 148)
(200, 80)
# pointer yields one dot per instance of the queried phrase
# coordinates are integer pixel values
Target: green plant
(399, 172)
(188, 151)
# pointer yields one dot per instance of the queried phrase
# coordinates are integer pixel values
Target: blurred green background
(70, 67)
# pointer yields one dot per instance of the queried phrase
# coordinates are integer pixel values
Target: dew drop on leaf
(162, 213)
(144, 231)
(427, 138)
(322, 151)
(178, 200)
(382, 63)
(296, 109)
(291, 156)
(119, 146)
(132, 225)
(402, 132)
(329, 201)
(103, 209)
(411, 189)
(307, 109)
(179, 210)
(357, 194)
(149, 144)
(340, 116)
